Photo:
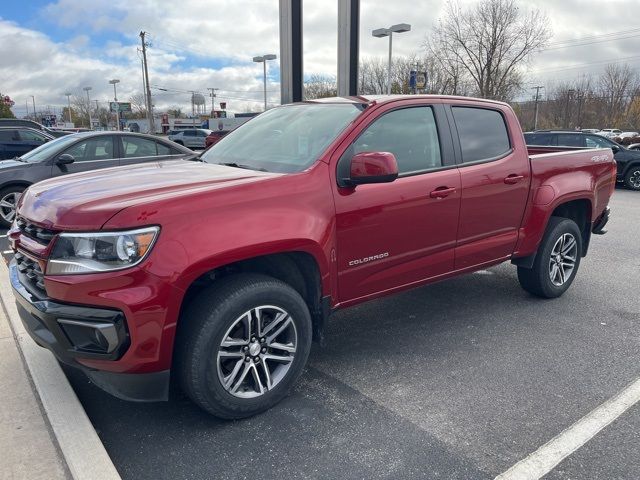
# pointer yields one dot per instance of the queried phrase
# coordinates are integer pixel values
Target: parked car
(624, 135)
(610, 132)
(191, 138)
(218, 274)
(634, 146)
(627, 159)
(20, 122)
(16, 141)
(214, 137)
(590, 130)
(79, 152)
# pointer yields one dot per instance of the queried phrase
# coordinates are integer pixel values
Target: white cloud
(230, 32)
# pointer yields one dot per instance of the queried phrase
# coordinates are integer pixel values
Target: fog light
(94, 337)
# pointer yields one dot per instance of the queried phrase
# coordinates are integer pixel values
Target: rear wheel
(243, 344)
(557, 260)
(8, 202)
(632, 178)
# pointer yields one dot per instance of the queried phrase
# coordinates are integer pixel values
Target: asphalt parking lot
(460, 379)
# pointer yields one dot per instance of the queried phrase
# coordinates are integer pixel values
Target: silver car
(190, 138)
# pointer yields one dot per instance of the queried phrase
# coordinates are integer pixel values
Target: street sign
(421, 80)
(120, 106)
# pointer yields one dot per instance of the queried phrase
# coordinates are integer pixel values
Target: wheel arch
(298, 268)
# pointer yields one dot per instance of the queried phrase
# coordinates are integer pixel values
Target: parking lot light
(86, 89)
(115, 98)
(388, 32)
(263, 59)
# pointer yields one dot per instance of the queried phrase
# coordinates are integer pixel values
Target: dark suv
(21, 122)
(628, 160)
(16, 141)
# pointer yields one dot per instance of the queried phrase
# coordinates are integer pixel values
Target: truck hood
(86, 201)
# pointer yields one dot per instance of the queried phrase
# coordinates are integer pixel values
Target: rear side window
(8, 135)
(409, 133)
(543, 139)
(483, 133)
(189, 133)
(138, 147)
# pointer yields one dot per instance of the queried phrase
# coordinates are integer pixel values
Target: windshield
(45, 151)
(286, 139)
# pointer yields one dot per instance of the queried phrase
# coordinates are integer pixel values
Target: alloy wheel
(257, 351)
(634, 179)
(8, 206)
(563, 259)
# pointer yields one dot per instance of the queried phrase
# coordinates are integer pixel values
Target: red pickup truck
(218, 274)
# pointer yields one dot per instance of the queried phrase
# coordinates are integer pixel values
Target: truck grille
(30, 273)
(41, 235)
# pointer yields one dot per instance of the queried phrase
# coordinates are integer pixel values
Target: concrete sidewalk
(27, 447)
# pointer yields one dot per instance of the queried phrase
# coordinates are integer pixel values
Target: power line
(591, 37)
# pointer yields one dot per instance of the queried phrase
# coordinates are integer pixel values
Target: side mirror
(615, 148)
(65, 159)
(373, 167)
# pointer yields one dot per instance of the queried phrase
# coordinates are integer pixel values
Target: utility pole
(152, 128)
(567, 111)
(213, 98)
(69, 103)
(34, 108)
(535, 115)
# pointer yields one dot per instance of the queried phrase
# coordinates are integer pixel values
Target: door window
(31, 136)
(483, 133)
(189, 133)
(540, 139)
(570, 140)
(99, 148)
(596, 141)
(410, 134)
(138, 147)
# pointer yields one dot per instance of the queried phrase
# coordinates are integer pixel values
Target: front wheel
(243, 343)
(557, 260)
(8, 202)
(632, 178)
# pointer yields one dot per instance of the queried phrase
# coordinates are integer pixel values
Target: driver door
(89, 154)
(391, 235)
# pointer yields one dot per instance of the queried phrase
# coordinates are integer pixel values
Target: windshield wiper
(246, 167)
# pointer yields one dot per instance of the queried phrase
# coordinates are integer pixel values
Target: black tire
(537, 280)
(5, 193)
(632, 178)
(207, 320)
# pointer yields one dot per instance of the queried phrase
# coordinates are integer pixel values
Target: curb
(81, 448)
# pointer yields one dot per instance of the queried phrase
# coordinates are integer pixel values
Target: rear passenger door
(141, 150)
(495, 184)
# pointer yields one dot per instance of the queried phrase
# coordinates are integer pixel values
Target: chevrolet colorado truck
(217, 275)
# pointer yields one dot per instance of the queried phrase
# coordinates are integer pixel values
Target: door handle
(442, 192)
(513, 179)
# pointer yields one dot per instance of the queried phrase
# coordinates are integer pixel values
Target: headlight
(100, 251)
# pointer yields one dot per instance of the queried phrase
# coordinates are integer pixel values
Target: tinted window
(31, 136)
(570, 140)
(483, 133)
(189, 133)
(100, 148)
(539, 138)
(202, 133)
(8, 135)
(410, 134)
(138, 147)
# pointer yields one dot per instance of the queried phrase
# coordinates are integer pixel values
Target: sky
(50, 47)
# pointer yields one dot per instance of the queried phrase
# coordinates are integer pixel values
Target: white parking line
(543, 460)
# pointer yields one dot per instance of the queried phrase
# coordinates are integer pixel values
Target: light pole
(86, 89)
(115, 98)
(263, 59)
(388, 32)
(69, 105)
(34, 108)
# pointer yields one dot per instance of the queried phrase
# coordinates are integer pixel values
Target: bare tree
(320, 86)
(616, 86)
(488, 42)
(138, 106)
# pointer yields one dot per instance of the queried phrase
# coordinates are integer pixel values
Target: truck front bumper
(75, 333)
